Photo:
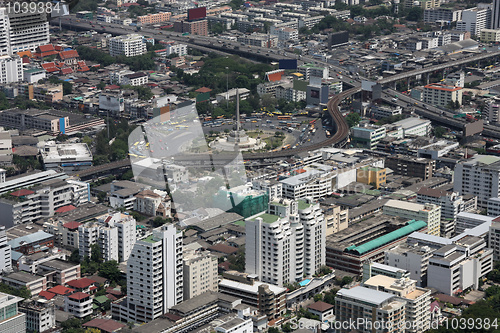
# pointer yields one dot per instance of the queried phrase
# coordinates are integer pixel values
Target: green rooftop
(303, 204)
(149, 239)
(268, 218)
(240, 223)
(101, 299)
(277, 203)
(371, 168)
(412, 226)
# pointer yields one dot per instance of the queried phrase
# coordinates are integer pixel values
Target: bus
(286, 147)
(183, 127)
(284, 117)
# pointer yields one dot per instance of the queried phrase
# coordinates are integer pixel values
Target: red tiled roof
(46, 48)
(223, 248)
(50, 67)
(203, 90)
(108, 219)
(274, 77)
(66, 70)
(25, 54)
(68, 54)
(46, 294)
(79, 295)
(65, 209)
(452, 299)
(496, 219)
(111, 297)
(172, 316)
(80, 283)
(72, 225)
(26, 60)
(225, 265)
(112, 291)
(60, 290)
(320, 306)
(83, 66)
(106, 325)
(93, 287)
(112, 87)
(21, 193)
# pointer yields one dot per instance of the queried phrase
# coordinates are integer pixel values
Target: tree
(75, 256)
(273, 330)
(345, 280)
(110, 271)
(439, 131)
(415, 14)
(237, 261)
(96, 253)
(352, 119)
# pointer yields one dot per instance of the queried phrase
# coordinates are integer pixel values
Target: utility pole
(227, 88)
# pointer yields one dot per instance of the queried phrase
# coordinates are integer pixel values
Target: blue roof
(14, 255)
(31, 238)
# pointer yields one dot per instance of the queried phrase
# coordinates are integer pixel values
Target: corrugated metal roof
(412, 226)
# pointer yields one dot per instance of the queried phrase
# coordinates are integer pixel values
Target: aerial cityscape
(231, 166)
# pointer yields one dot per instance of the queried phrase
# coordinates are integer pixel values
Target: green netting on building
(245, 205)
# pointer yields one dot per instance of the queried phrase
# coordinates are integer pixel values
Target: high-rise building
(495, 15)
(40, 315)
(5, 252)
(474, 20)
(13, 321)
(11, 69)
(287, 242)
(127, 45)
(200, 274)
(154, 276)
(451, 204)
(26, 31)
(478, 176)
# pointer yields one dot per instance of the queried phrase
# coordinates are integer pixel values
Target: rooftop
(23, 276)
(367, 295)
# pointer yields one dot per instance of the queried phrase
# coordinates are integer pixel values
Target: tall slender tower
(495, 14)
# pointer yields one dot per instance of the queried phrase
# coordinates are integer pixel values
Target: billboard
(338, 38)
(288, 64)
(197, 13)
(473, 128)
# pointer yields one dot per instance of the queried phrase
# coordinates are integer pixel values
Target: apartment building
(11, 69)
(311, 70)
(135, 79)
(286, 243)
(269, 299)
(199, 27)
(316, 182)
(494, 238)
(371, 176)
(490, 35)
(478, 176)
(336, 218)
(442, 15)
(410, 166)
(78, 304)
(200, 274)
(369, 305)
(177, 48)
(429, 213)
(474, 20)
(127, 45)
(13, 319)
(154, 277)
(414, 126)
(493, 111)
(5, 252)
(40, 315)
(371, 269)
(41, 201)
(417, 299)
(154, 18)
(442, 95)
(25, 30)
(451, 205)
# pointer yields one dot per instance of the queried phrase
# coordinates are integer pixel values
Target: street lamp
(227, 88)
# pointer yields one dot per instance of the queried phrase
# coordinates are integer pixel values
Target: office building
(127, 45)
(259, 40)
(490, 35)
(135, 79)
(370, 305)
(367, 136)
(458, 267)
(429, 213)
(154, 18)
(414, 126)
(411, 258)
(154, 276)
(40, 315)
(466, 220)
(494, 238)
(200, 274)
(176, 48)
(310, 70)
(478, 176)
(441, 95)
(67, 157)
(493, 111)
(24, 30)
(13, 320)
(336, 218)
(410, 166)
(316, 182)
(286, 243)
(474, 20)
(417, 299)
